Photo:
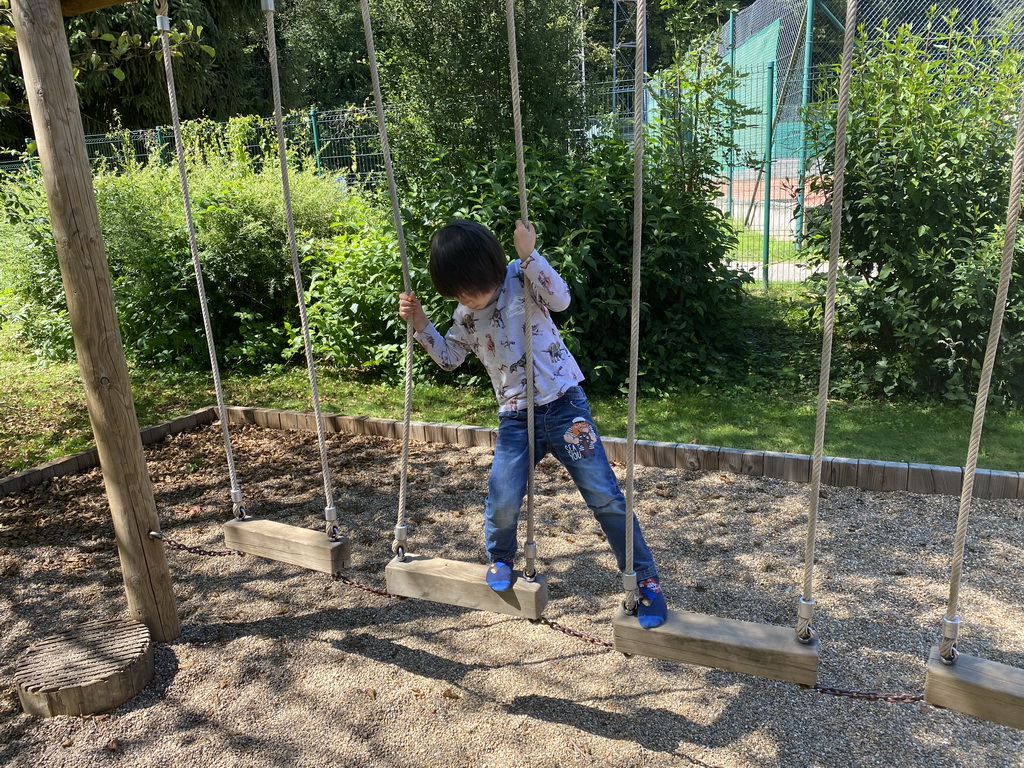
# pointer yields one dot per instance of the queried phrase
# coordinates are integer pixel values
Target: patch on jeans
(580, 438)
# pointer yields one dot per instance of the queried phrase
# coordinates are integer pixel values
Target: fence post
(160, 145)
(769, 118)
(804, 102)
(30, 159)
(732, 118)
(315, 131)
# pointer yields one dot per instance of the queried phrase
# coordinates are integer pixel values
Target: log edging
(866, 474)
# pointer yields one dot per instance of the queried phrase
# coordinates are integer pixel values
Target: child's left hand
(525, 238)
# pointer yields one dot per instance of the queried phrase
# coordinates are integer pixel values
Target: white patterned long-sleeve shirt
(497, 335)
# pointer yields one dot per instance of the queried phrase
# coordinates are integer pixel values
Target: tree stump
(93, 668)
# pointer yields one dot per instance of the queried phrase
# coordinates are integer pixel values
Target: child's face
(477, 301)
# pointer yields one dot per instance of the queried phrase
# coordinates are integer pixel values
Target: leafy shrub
(927, 176)
(243, 246)
(582, 207)
(353, 310)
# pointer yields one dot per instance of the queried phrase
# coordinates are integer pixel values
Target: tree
(930, 136)
(221, 66)
(115, 55)
(327, 52)
(446, 62)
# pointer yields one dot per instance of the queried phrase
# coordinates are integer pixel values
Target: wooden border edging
(89, 458)
(865, 474)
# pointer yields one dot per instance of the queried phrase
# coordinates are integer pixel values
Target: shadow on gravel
(658, 730)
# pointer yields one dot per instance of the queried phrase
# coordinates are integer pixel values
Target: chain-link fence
(784, 51)
(343, 141)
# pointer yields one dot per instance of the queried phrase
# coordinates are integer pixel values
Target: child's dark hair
(465, 259)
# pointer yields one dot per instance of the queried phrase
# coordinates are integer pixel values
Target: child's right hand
(410, 309)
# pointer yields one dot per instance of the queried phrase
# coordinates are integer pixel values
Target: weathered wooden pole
(56, 117)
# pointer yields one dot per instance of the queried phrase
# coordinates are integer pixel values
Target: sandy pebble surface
(281, 667)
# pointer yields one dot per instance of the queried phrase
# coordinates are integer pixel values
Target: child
(468, 264)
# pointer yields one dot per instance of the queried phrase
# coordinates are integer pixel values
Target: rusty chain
(177, 545)
(572, 632)
(895, 698)
(357, 585)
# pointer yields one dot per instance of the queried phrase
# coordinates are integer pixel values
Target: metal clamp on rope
(804, 627)
(268, 5)
(163, 23)
(398, 545)
(630, 585)
(530, 550)
(948, 653)
(331, 516)
(238, 502)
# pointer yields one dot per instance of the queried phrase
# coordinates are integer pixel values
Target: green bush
(927, 177)
(446, 63)
(243, 247)
(582, 207)
(353, 310)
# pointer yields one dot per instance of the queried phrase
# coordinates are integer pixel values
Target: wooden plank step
(304, 547)
(974, 686)
(761, 650)
(464, 584)
(92, 668)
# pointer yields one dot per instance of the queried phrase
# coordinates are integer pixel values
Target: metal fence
(783, 50)
(342, 141)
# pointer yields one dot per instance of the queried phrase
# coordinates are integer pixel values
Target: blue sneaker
(499, 576)
(652, 610)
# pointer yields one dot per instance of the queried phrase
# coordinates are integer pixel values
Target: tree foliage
(446, 63)
(221, 66)
(930, 135)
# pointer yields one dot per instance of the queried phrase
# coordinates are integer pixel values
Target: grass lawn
(750, 246)
(45, 414)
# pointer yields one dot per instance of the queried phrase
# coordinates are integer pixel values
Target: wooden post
(76, 7)
(43, 45)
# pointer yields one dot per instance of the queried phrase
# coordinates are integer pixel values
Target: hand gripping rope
(530, 546)
(401, 529)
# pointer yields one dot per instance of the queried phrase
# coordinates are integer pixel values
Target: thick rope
(517, 121)
(268, 8)
(634, 316)
(163, 25)
(396, 211)
(803, 627)
(967, 490)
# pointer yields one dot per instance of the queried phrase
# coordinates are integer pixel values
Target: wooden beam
(456, 583)
(53, 100)
(77, 7)
(304, 547)
(709, 641)
(978, 687)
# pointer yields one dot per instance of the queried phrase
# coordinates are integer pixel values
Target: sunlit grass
(750, 246)
(45, 414)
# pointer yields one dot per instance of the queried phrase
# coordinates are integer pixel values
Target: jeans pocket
(580, 403)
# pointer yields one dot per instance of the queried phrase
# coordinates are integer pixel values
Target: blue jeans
(565, 429)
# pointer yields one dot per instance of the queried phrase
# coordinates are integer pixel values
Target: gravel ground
(279, 667)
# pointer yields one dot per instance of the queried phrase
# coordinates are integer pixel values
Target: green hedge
(932, 117)
(243, 247)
